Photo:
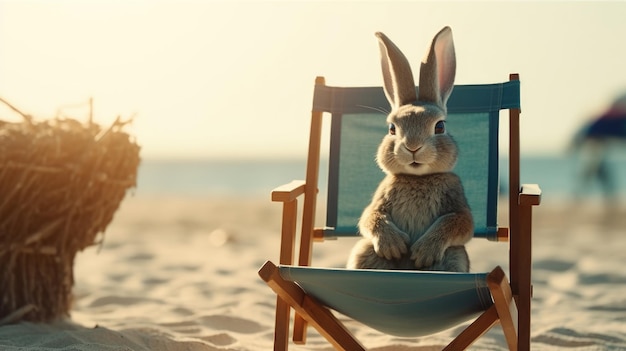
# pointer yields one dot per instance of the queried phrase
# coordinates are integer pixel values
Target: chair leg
(299, 330)
(505, 306)
(504, 310)
(474, 331)
(317, 315)
(524, 287)
(281, 325)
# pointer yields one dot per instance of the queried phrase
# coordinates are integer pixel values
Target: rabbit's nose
(412, 149)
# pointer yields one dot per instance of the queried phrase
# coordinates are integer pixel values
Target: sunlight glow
(234, 79)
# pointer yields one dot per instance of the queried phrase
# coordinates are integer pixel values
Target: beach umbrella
(611, 124)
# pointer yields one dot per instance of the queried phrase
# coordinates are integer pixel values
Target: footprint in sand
(564, 337)
(234, 324)
(553, 265)
(221, 339)
(120, 300)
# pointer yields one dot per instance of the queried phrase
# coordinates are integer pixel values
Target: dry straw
(61, 181)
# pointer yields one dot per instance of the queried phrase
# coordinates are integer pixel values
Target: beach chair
(404, 303)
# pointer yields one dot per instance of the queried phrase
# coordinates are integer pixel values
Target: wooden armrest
(530, 195)
(288, 192)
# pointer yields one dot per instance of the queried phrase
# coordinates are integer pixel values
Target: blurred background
(220, 94)
(221, 91)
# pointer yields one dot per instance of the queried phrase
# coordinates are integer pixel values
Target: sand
(180, 274)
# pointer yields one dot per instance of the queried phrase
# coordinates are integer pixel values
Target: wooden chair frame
(512, 300)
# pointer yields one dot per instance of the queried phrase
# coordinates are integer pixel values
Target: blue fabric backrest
(358, 125)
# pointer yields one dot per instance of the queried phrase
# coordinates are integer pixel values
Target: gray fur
(419, 217)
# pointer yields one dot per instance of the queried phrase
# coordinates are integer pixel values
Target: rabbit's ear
(437, 71)
(399, 83)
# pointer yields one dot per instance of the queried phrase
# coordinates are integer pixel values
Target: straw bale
(61, 182)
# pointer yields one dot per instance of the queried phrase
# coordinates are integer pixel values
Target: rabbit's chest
(415, 205)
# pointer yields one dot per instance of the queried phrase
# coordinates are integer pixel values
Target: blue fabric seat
(401, 303)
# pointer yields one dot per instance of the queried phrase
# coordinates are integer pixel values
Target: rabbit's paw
(425, 253)
(390, 245)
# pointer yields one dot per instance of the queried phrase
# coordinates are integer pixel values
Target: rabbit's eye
(440, 127)
(392, 129)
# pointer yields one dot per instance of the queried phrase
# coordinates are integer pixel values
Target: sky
(234, 80)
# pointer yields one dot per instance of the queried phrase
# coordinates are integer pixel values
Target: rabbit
(418, 217)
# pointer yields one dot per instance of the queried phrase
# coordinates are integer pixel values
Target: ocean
(558, 176)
